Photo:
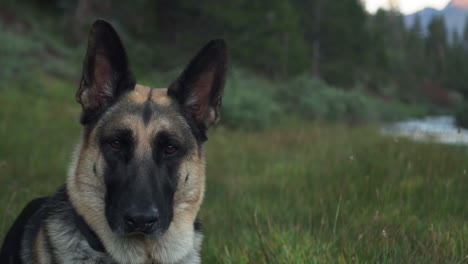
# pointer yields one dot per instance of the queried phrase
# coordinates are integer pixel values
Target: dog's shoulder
(19, 241)
(58, 204)
(28, 221)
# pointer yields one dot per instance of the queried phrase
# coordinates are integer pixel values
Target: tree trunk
(81, 15)
(316, 49)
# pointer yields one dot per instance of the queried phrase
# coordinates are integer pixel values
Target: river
(439, 129)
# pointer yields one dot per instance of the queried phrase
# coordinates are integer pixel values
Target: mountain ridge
(455, 15)
(458, 3)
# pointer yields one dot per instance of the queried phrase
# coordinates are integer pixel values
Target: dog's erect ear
(105, 70)
(200, 86)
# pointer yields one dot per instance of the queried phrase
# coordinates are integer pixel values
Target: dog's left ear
(106, 73)
(200, 86)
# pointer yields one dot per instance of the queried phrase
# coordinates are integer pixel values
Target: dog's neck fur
(90, 236)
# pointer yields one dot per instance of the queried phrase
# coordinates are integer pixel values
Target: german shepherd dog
(137, 177)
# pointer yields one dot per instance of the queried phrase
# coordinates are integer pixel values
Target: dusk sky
(406, 6)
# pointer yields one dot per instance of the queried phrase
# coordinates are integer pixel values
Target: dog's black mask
(140, 188)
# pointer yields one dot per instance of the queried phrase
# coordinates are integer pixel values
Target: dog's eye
(116, 144)
(169, 150)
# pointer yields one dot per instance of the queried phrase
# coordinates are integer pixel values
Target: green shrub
(314, 99)
(25, 55)
(15, 54)
(462, 115)
(248, 102)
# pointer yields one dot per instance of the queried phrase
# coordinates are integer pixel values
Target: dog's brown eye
(169, 150)
(116, 144)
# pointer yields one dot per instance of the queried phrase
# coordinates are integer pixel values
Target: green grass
(295, 193)
(331, 193)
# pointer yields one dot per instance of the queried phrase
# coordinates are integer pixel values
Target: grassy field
(295, 193)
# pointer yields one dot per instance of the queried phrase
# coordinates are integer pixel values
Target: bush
(314, 99)
(15, 53)
(26, 55)
(462, 115)
(248, 102)
(252, 102)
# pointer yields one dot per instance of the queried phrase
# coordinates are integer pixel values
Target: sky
(406, 6)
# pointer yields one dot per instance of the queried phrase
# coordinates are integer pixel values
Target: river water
(439, 129)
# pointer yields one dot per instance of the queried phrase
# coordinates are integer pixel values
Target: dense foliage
(334, 42)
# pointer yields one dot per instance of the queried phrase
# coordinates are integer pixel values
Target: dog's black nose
(141, 220)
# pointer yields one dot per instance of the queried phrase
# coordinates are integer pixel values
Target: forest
(327, 60)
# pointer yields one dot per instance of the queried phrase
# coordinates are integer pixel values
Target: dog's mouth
(146, 234)
(149, 230)
(156, 231)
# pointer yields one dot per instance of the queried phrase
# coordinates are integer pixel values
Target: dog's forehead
(145, 111)
(142, 94)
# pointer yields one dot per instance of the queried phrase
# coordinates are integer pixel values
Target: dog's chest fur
(58, 238)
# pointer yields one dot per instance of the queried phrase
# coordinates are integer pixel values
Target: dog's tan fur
(87, 192)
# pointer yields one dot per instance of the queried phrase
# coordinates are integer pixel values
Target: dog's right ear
(106, 73)
(200, 87)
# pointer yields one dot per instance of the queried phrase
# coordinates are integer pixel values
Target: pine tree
(436, 47)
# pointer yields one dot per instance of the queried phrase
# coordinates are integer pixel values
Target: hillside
(455, 15)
